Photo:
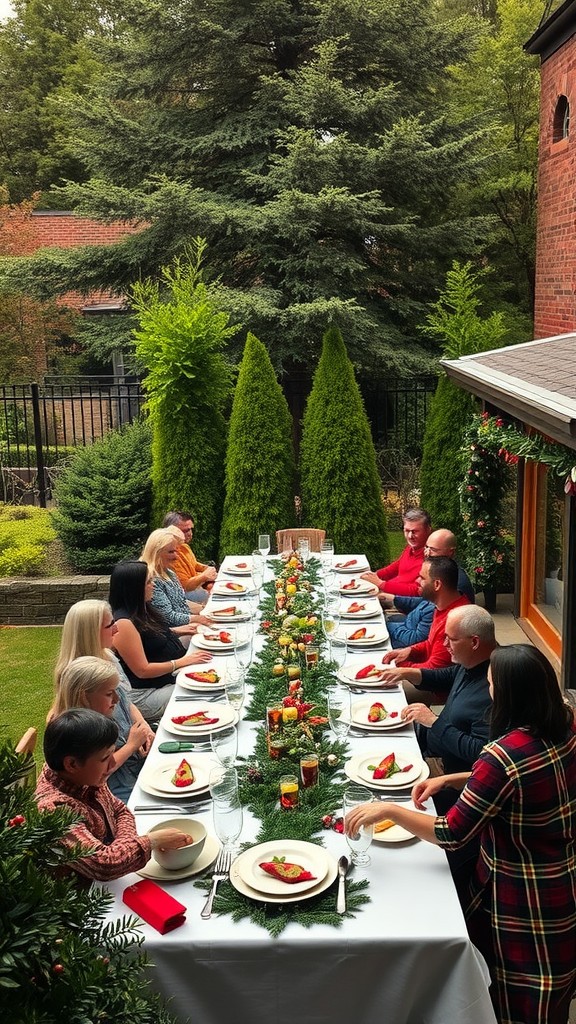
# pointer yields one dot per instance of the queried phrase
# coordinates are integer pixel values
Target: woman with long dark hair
(148, 650)
(519, 799)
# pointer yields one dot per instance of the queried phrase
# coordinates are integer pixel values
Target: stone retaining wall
(44, 602)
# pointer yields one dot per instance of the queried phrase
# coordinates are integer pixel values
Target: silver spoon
(343, 865)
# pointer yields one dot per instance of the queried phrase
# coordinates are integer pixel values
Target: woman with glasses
(149, 651)
(520, 801)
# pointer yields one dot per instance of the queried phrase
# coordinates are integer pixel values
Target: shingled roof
(534, 382)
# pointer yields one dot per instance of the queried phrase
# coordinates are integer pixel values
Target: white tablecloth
(405, 958)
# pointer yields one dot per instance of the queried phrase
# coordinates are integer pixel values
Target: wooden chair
(27, 745)
(314, 536)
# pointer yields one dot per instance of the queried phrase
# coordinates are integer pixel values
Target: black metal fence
(42, 424)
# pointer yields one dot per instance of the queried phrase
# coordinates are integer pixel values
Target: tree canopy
(309, 142)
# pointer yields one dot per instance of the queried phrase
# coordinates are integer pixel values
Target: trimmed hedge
(25, 533)
(340, 485)
(260, 465)
(451, 410)
(104, 499)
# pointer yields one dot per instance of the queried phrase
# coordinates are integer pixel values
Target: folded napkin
(154, 905)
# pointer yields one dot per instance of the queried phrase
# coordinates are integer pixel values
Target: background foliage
(340, 487)
(260, 468)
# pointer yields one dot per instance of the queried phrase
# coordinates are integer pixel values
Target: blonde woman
(92, 682)
(160, 552)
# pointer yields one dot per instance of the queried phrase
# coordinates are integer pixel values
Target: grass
(397, 544)
(28, 656)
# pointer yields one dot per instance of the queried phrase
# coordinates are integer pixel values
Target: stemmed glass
(258, 566)
(304, 549)
(327, 554)
(264, 544)
(338, 650)
(226, 806)
(235, 686)
(339, 710)
(360, 842)
(224, 745)
(243, 646)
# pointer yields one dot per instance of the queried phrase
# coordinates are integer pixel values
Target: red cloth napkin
(154, 905)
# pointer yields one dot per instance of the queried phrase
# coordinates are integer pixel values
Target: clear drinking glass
(264, 544)
(224, 745)
(243, 653)
(327, 554)
(236, 689)
(360, 842)
(287, 547)
(304, 549)
(339, 710)
(226, 806)
(338, 650)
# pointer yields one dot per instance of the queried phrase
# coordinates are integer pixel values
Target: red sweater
(401, 575)
(433, 653)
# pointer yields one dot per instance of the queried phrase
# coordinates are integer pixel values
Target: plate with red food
(361, 609)
(237, 566)
(363, 636)
(386, 831)
(214, 639)
(177, 775)
(203, 678)
(184, 719)
(220, 611)
(357, 588)
(294, 870)
(391, 769)
(381, 713)
(351, 564)
(229, 588)
(367, 672)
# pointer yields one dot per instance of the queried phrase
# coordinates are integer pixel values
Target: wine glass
(243, 649)
(264, 544)
(339, 710)
(258, 566)
(330, 622)
(226, 806)
(235, 686)
(304, 549)
(224, 745)
(360, 842)
(338, 650)
(327, 554)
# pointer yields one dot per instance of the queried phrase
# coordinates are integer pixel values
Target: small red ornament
(18, 819)
(58, 969)
(338, 825)
(327, 821)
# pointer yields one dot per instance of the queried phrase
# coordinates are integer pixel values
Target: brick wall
(44, 602)
(555, 305)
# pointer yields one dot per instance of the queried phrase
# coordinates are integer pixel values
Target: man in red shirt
(401, 576)
(438, 582)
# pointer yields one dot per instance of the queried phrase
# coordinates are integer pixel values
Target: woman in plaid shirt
(520, 800)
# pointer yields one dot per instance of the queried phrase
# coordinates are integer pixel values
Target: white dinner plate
(237, 566)
(155, 777)
(393, 704)
(207, 643)
(402, 778)
(347, 674)
(219, 612)
(193, 684)
(292, 897)
(360, 588)
(366, 610)
(351, 565)
(350, 770)
(206, 858)
(229, 588)
(309, 856)
(375, 634)
(223, 712)
(394, 834)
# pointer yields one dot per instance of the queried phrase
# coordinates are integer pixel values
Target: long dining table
(404, 957)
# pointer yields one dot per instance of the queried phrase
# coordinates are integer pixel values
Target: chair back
(290, 538)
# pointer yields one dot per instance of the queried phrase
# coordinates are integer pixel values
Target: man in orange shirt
(438, 582)
(193, 575)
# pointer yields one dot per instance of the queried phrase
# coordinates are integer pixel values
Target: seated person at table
(160, 553)
(400, 577)
(79, 751)
(88, 631)
(193, 575)
(94, 683)
(443, 542)
(459, 732)
(437, 582)
(148, 649)
(413, 625)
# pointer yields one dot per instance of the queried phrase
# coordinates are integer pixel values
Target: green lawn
(397, 544)
(27, 656)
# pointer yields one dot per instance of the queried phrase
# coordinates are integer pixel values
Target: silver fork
(221, 872)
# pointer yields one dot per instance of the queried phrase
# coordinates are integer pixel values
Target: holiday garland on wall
(490, 448)
(291, 624)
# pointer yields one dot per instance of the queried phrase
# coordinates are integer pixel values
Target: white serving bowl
(176, 860)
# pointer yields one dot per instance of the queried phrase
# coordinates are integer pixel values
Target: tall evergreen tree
(179, 344)
(260, 456)
(457, 320)
(308, 141)
(339, 480)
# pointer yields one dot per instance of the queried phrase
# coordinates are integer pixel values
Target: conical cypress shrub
(339, 480)
(451, 410)
(260, 457)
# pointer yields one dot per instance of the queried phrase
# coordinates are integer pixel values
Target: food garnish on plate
(203, 677)
(222, 637)
(183, 776)
(196, 718)
(378, 713)
(387, 768)
(352, 585)
(381, 826)
(285, 871)
(237, 587)
(369, 672)
(346, 565)
(355, 607)
(360, 634)
(232, 610)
